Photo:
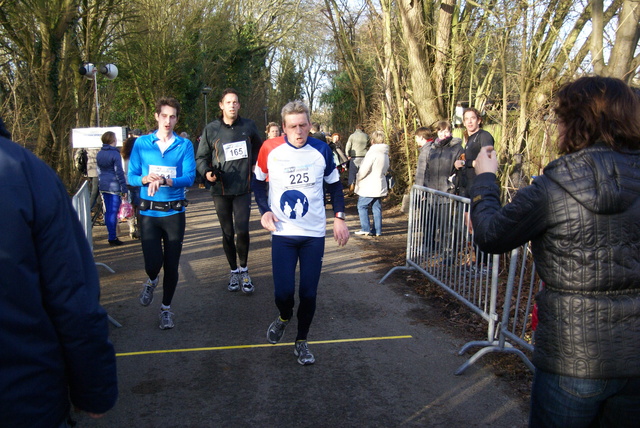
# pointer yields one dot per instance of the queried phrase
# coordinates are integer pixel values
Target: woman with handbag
(134, 192)
(111, 182)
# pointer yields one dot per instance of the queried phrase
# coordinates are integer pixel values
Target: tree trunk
(597, 34)
(349, 58)
(621, 62)
(424, 94)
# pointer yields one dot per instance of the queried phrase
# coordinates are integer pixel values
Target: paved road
(376, 365)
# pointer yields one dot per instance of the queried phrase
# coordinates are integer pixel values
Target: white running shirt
(296, 178)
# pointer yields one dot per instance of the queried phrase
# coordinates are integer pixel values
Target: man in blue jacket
(54, 345)
(162, 164)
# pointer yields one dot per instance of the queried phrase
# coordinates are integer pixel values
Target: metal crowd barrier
(80, 202)
(440, 246)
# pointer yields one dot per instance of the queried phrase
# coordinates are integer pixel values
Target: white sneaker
(361, 232)
(166, 320)
(305, 357)
(245, 280)
(234, 281)
(146, 296)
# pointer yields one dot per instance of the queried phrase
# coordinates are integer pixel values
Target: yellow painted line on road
(262, 345)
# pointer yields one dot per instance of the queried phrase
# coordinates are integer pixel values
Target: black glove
(215, 171)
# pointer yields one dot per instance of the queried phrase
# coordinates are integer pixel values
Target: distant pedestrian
(86, 164)
(441, 174)
(92, 175)
(424, 139)
(134, 191)
(371, 185)
(356, 148)
(340, 158)
(476, 138)
(316, 132)
(112, 182)
(273, 130)
(457, 115)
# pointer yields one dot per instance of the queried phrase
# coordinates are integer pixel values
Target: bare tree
(625, 55)
(344, 26)
(41, 41)
(48, 44)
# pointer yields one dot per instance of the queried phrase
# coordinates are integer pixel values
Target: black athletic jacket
(236, 174)
(583, 219)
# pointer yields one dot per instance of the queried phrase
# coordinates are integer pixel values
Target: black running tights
(154, 232)
(238, 208)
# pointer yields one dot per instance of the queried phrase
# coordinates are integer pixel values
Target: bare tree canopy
(393, 65)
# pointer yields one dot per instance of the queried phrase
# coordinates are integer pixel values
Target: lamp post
(88, 70)
(206, 91)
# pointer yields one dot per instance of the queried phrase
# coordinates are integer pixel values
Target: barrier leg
(405, 267)
(111, 319)
(106, 267)
(489, 349)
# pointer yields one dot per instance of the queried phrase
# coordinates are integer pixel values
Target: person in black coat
(55, 350)
(441, 174)
(582, 217)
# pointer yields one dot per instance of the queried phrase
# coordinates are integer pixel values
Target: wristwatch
(340, 215)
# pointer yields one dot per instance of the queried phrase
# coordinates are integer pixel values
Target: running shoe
(276, 330)
(305, 357)
(245, 280)
(166, 320)
(146, 296)
(362, 232)
(234, 281)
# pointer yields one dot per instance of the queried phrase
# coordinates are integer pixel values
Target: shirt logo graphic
(294, 204)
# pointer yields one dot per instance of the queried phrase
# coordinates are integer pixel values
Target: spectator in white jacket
(371, 185)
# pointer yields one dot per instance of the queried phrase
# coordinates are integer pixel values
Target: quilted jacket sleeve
(500, 229)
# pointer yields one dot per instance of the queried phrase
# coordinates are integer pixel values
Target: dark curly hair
(127, 147)
(597, 109)
(168, 101)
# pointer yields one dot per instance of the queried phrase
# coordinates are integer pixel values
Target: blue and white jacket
(177, 162)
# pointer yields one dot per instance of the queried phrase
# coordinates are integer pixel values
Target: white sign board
(91, 137)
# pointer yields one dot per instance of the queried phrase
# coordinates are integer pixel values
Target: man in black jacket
(227, 152)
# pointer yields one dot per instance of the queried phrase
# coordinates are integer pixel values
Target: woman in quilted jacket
(582, 217)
